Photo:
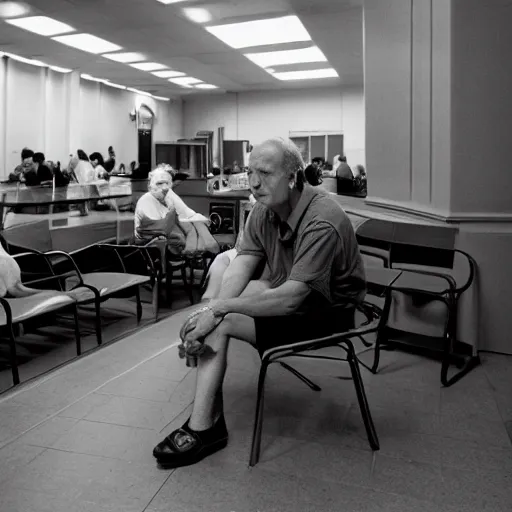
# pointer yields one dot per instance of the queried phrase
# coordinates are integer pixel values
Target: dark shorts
(274, 331)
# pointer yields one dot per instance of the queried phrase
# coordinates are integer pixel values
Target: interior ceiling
(165, 35)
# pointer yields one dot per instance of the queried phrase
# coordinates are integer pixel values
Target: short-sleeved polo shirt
(316, 245)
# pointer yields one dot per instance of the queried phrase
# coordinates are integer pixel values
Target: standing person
(315, 275)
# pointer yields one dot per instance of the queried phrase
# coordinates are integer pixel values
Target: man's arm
(283, 300)
(237, 276)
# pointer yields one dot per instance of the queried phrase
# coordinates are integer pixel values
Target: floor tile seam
(98, 392)
(97, 456)
(57, 413)
(174, 418)
(61, 369)
(159, 489)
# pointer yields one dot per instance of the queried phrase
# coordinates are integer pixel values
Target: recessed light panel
(167, 2)
(287, 29)
(168, 74)
(266, 59)
(197, 14)
(88, 43)
(148, 66)
(125, 57)
(86, 76)
(186, 81)
(307, 74)
(161, 98)
(41, 25)
(206, 86)
(12, 9)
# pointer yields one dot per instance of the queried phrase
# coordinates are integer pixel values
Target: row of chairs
(91, 276)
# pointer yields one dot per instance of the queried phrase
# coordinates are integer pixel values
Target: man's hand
(199, 325)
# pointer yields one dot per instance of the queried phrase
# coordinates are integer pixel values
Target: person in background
(83, 170)
(318, 162)
(43, 170)
(313, 175)
(110, 162)
(26, 166)
(160, 212)
(96, 159)
(316, 270)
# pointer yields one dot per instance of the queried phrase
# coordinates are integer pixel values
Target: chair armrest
(452, 285)
(375, 253)
(36, 270)
(472, 271)
(53, 256)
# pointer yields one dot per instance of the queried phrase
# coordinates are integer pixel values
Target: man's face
(160, 185)
(268, 181)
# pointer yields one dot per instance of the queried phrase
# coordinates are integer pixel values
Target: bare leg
(216, 274)
(211, 370)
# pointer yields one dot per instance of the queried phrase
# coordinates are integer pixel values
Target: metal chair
(341, 340)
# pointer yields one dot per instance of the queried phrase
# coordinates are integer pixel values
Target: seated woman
(161, 213)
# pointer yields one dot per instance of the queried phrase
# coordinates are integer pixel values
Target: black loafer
(185, 446)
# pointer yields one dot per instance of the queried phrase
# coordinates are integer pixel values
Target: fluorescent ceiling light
(41, 25)
(58, 69)
(143, 93)
(206, 86)
(148, 66)
(307, 74)
(197, 14)
(33, 62)
(288, 29)
(168, 74)
(266, 59)
(185, 81)
(161, 98)
(125, 57)
(115, 86)
(167, 2)
(11, 9)
(85, 76)
(88, 43)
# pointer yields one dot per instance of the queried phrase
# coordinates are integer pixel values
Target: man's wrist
(218, 307)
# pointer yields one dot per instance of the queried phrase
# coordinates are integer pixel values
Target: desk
(28, 197)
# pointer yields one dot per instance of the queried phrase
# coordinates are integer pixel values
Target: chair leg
(97, 308)
(381, 332)
(258, 419)
(300, 376)
(187, 285)
(156, 297)
(139, 304)
(77, 332)
(13, 358)
(361, 397)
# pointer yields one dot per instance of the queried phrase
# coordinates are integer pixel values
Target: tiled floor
(80, 440)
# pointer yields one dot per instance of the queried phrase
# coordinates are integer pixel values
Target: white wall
(59, 113)
(256, 116)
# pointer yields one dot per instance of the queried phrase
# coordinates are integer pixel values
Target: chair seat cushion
(108, 283)
(28, 307)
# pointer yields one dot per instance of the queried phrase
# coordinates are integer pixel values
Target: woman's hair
(97, 156)
(82, 155)
(26, 153)
(39, 158)
(313, 175)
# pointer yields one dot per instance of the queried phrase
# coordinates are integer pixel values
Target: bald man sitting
(310, 248)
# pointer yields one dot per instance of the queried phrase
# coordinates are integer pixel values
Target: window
(313, 144)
